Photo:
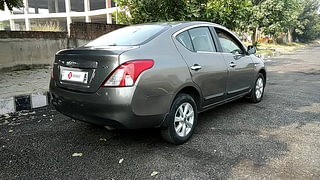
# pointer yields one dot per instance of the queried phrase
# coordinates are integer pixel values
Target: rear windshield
(129, 36)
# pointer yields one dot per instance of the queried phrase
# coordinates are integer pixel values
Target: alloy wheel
(184, 119)
(259, 88)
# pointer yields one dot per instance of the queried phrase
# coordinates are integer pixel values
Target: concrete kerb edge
(24, 102)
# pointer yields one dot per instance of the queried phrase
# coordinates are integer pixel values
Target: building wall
(33, 48)
(29, 51)
(42, 13)
(90, 31)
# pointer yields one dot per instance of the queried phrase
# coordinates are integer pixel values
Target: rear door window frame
(215, 44)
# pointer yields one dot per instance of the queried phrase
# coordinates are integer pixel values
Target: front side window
(229, 44)
(128, 36)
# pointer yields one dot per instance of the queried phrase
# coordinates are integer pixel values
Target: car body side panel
(258, 66)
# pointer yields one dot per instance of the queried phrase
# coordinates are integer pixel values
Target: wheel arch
(193, 91)
(264, 73)
(187, 89)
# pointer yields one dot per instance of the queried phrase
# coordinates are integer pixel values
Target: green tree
(11, 4)
(266, 16)
(292, 10)
(272, 17)
(194, 10)
(144, 11)
(308, 26)
(230, 13)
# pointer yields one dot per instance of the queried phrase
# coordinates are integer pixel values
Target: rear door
(207, 66)
(240, 65)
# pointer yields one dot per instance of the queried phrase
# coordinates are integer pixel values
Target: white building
(59, 12)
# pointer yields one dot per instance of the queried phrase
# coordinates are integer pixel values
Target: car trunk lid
(85, 69)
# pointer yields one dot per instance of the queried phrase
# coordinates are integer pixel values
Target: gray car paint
(147, 103)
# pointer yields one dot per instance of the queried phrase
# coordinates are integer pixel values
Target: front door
(240, 65)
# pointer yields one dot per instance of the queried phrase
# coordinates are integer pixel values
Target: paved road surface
(275, 139)
(24, 82)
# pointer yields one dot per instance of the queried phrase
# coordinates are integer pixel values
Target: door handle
(232, 64)
(196, 67)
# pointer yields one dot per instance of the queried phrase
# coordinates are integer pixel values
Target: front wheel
(258, 89)
(181, 120)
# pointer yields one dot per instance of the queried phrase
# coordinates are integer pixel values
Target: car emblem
(70, 75)
(71, 63)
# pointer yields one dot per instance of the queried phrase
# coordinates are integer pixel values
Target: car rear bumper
(107, 107)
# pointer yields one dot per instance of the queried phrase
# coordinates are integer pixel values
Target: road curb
(24, 102)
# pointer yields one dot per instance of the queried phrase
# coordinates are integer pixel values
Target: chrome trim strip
(238, 90)
(213, 96)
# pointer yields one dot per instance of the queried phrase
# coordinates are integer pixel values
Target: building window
(46, 6)
(77, 6)
(97, 4)
(113, 4)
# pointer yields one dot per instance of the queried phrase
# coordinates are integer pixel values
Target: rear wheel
(257, 92)
(181, 120)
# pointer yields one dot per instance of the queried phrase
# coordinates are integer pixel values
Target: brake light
(127, 73)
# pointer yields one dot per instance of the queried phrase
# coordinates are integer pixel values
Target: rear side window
(197, 39)
(185, 40)
(202, 39)
(129, 36)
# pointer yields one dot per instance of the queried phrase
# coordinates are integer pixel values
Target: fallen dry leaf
(102, 139)
(154, 173)
(77, 154)
(121, 160)
(6, 116)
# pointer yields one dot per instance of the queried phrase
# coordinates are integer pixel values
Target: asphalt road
(275, 139)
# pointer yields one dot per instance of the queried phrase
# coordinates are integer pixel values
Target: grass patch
(268, 52)
(281, 48)
(270, 48)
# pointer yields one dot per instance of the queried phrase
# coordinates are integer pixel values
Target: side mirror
(251, 50)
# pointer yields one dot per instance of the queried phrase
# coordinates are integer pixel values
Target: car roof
(182, 24)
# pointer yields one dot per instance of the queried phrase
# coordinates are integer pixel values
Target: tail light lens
(127, 73)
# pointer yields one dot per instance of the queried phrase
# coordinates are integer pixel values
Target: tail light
(127, 73)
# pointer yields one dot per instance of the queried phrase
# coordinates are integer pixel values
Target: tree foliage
(308, 26)
(230, 13)
(272, 17)
(11, 4)
(144, 11)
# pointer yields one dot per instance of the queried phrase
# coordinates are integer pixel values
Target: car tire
(181, 120)
(257, 92)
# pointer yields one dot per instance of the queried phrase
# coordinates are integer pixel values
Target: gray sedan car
(156, 76)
